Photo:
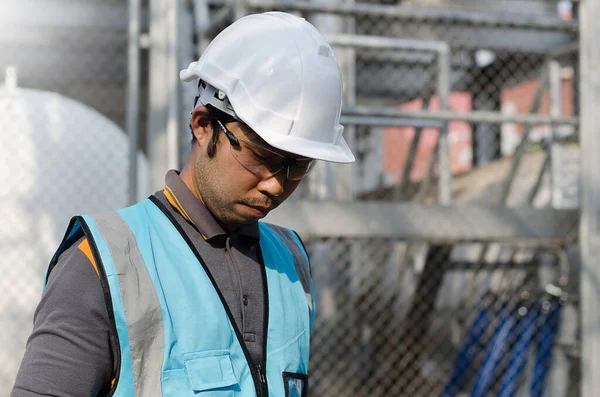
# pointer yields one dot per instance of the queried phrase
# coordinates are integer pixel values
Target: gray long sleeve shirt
(70, 351)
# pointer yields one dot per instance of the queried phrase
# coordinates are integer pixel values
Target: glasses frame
(271, 170)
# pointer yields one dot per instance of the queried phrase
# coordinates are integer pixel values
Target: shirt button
(245, 300)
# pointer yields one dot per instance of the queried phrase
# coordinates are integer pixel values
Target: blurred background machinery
(458, 256)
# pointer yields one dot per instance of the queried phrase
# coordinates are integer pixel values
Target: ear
(201, 125)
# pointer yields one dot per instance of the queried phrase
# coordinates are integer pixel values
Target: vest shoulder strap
(74, 232)
(292, 240)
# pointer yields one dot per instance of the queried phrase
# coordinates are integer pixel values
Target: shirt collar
(195, 212)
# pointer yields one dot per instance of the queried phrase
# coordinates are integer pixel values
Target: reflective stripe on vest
(175, 336)
(141, 308)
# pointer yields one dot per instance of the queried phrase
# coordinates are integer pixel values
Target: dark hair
(214, 115)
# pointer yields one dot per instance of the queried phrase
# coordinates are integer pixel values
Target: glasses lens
(266, 163)
(300, 168)
(259, 161)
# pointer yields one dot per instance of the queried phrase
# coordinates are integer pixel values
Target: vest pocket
(295, 385)
(209, 370)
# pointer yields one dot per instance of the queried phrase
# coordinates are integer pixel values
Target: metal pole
(555, 147)
(589, 237)
(445, 180)
(158, 93)
(403, 13)
(186, 54)
(383, 42)
(426, 181)
(132, 110)
(538, 183)
(389, 122)
(173, 81)
(471, 117)
(520, 151)
(486, 142)
(334, 181)
(351, 100)
(412, 153)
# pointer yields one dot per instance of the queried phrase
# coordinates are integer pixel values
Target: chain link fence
(417, 320)
(493, 127)
(400, 317)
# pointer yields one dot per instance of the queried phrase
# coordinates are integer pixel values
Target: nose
(273, 186)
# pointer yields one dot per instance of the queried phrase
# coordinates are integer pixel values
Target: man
(186, 293)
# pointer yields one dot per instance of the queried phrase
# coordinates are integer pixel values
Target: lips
(258, 211)
(262, 209)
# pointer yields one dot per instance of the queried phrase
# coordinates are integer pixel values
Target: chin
(243, 219)
(251, 219)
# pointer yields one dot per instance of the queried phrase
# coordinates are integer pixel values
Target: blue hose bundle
(468, 353)
(525, 330)
(548, 330)
(516, 330)
(499, 345)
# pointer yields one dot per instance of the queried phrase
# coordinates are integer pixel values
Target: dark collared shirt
(70, 351)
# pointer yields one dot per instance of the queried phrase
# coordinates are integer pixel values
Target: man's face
(234, 194)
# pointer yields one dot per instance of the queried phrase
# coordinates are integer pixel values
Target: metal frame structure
(525, 227)
(386, 116)
(407, 13)
(522, 228)
(132, 111)
(442, 52)
(170, 49)
(589, 232)
(472, 117)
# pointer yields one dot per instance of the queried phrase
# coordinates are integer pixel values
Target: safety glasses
(263, 162)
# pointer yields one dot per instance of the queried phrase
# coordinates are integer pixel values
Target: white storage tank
(58, 158)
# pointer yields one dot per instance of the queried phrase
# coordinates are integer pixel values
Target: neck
(187, 176)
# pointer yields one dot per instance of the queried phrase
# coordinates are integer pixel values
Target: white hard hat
(277, 74)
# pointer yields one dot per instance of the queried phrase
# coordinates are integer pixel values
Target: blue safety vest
(176, 334)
